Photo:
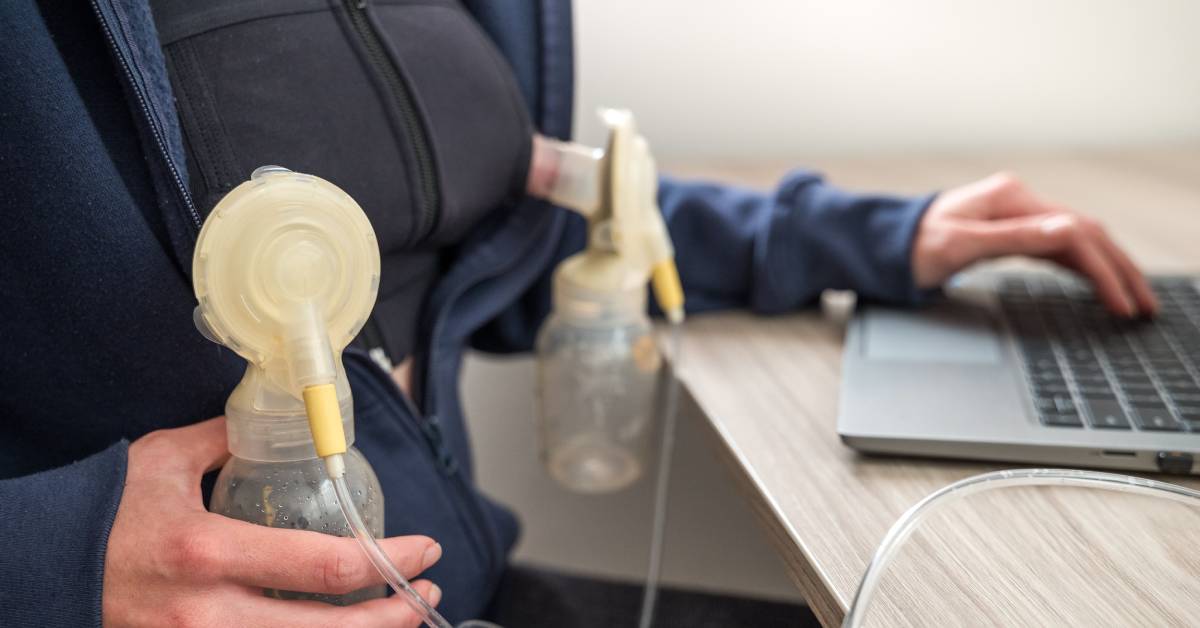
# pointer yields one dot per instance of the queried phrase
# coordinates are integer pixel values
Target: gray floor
(713, 541)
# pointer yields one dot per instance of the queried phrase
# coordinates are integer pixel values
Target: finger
(202, 445)
(389, 612)
(299, 560)
(1135, 281)
(1061, 237)
(193, 449)
(1086, 256)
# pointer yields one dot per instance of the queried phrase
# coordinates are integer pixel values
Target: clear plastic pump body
(298, 494)
(598, 376)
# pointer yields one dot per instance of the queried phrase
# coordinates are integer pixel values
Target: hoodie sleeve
(55, 527)
(773, 252)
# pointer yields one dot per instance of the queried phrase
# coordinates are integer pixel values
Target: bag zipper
(381, 62)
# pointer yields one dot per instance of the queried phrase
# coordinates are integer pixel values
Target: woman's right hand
(170, 562)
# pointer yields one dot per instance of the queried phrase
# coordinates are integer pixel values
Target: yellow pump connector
(668, 290)
(325, 419)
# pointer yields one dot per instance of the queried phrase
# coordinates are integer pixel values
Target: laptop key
(1145, 400)
(1091, 378)
(1062, 420)
(1136, 389)
(1156, 420)
(1058, 404)
(1048, 378)
(1178, 384)
(1093, 391)
(1050, 390)
(1106, 414)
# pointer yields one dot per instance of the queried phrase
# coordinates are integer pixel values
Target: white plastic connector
(574, 172)
(306, 346)
(335, 466)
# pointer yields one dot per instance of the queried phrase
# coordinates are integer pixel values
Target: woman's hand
(999, 216)
(172, 563)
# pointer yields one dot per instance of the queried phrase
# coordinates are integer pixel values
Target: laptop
(1028, 368)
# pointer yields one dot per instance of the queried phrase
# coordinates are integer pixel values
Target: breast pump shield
(286, 270)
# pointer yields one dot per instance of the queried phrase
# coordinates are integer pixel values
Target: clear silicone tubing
(380, 560)
(662, 484)
(910, 520)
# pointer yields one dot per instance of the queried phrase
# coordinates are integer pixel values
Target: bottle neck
(600, 309)
(266, 423)
(597, 288)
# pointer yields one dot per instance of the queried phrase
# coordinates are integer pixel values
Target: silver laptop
(1028, 368)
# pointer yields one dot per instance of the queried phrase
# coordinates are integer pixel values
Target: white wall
(773, 78)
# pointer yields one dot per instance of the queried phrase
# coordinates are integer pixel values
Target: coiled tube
(911, 519)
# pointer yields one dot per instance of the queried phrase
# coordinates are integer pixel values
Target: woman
(123, 123)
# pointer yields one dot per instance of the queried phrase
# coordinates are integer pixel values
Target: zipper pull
(432, 428)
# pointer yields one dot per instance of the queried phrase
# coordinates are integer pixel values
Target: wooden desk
(1023, 557)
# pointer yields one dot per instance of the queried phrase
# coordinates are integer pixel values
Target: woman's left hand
(1000, 216)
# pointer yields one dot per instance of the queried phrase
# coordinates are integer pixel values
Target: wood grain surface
(1021, 557)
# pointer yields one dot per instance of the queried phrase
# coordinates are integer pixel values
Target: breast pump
(286, 271)
(598, 362)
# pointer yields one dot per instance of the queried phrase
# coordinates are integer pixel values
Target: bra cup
(472, 107)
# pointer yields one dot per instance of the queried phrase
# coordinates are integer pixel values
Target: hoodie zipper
(128, 67)
(381, 62)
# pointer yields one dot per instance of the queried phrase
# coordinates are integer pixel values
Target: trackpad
(946, 335)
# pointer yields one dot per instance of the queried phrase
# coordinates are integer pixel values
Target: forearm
(778, 251)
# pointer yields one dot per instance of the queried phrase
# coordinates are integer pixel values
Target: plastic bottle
(598, 370)
(275, 478)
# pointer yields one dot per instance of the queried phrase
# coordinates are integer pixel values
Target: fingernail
(435, 595)
(432, 554)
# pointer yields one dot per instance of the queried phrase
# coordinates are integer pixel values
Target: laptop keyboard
(1089, 369)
